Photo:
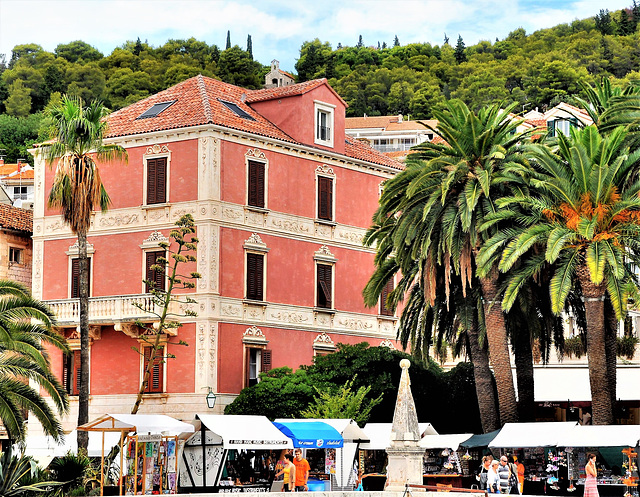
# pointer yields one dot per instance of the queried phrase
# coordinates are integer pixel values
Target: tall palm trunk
(524, 375)
(594, 308)
(499, 348)
(483, 381)
(611, 352)
(83, 290)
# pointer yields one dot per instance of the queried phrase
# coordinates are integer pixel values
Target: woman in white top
(493, 480)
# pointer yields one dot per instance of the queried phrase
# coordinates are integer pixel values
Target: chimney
(399, 118)
(1, 161)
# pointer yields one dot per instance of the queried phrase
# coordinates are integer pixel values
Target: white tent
(601, 436)
(44, 448)
(444, 441)
(244, 432)
(379, 434)
(139, 423)
(532, 434)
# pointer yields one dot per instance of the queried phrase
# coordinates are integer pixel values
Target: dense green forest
(534, 70)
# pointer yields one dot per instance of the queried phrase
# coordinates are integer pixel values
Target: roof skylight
(155, 109)
(236, 110)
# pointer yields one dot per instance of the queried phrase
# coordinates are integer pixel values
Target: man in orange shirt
(302, 471)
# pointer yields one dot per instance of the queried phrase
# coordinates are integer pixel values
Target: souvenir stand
(339, 463)
(476, 447)
(231, 454)
(310, 435)
(615, 446)
(536, 445)
(148, 468)
(372, 456)
(442, 462)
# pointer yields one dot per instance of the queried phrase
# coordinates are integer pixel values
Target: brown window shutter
(255, 272)
(75, 277)
(266, 360)
(156, 277)
(256, 184)
(77, 372)
(325, 198)
(386, 290)
(247, 365)
(157, 181)
(154, 383)
(67, 365)
(151, 181)
(324, 273)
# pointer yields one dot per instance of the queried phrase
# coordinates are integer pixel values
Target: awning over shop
(348, 428)
(571, 383)
(379, 434)
(601, 436)
(532, 434)
(139, 423)
(311, 434)
(444, 441)
(244, 432)
(481, 440)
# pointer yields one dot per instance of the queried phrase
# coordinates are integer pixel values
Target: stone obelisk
(405, 455)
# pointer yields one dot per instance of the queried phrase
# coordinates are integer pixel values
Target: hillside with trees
(532, 70)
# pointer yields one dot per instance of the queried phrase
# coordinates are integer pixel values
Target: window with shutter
(325, 198)
(255, 276)
(154, 384)
(254, 363)
(266, 360)
(386, 290)
(157, 278)
(157, 180)
(71, 372)
(256, 186)
(75, 277)
(323, 290)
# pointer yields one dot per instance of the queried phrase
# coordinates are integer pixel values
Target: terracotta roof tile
(16, 219)
(288, 91)
(359, 150)
(369, 122)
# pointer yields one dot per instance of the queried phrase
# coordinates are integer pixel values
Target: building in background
(281, 199)
(17, 181)
(277, 77)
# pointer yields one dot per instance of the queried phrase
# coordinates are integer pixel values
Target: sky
(279, 27)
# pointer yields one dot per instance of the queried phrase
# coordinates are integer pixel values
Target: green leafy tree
(459, 51)
(126, 87)
(236, 67)
(19, 102)
(78, 130)
(314, 56)
(396, 42)
(343, 403)
(78, 51)
(86, 82)
(603, 22)
(360, 44)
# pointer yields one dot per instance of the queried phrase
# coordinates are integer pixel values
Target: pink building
(281, 199)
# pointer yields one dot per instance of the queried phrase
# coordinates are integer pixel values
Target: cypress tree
(228, 40)
(396, 42)
(249, 46)
(360, 44)
(458, 53)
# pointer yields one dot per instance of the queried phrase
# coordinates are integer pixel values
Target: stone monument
(404, 454)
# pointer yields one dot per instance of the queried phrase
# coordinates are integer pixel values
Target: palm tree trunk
(611, 352)
(602, 410)
(83, 394)
(499, 349)
(524, 375)
(483, 380)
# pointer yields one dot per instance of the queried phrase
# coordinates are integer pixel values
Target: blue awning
(310, 434)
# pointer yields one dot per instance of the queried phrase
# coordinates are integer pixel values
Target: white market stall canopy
(348, 428)
(140, 423)
(532, 434)
(44, 448)
(244, 432)
(444, 441)
(379, 434)
(601, 436)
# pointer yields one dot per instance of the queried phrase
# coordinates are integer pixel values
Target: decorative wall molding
(324, 342)
(254, 335)
(324, 254)
(74, 251)
(254, 242)
(388, 344)
(154, 240)
(255, 153)
(325, 170)
(158, 149)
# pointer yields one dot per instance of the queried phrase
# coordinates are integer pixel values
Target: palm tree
(78, 134)
(432, 211)
(585, 214)
(25, 329)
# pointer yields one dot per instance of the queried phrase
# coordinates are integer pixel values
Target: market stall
(475, 448)
(442, 462)
(372, 456)
(44, 448)
(231, 454)
(149, 439)
(319, 440)
(341, 468)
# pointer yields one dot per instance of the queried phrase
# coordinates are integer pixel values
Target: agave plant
(16, 474)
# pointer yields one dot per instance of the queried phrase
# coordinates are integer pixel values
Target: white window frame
(328, 109)
(152, 244)
(19, 251)
(156, 152)
(74, 253)
(326, 172)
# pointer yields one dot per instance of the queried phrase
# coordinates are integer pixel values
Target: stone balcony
(108, 310)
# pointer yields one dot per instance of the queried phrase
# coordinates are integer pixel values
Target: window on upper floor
(71, 372)
(75, 277)
(325, 198)
(156, 180)
(561, 126)
(324, 286)
(20, 192)
(153, 275)
(257, 360)
(256, 184)
(155, 384)
(386, 290)
(324, 124)
(16, 255)
(255, 276)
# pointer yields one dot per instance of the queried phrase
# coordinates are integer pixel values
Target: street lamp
(211, 399)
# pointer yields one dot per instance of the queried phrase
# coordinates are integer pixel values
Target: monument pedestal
(404, 466)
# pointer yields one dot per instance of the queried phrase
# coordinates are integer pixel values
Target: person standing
(493, 479)
(503, 473)
(514, 484)
(289, 472)
(302, 471)
(484, 472)
(520, 470)
(591, 484)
